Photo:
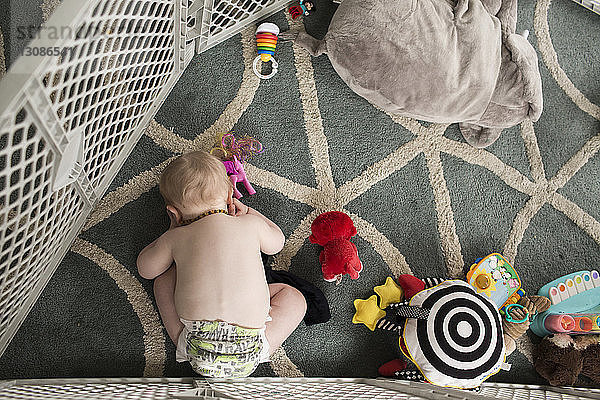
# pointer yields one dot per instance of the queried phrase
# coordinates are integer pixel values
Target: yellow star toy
(389, 293)
(367, 312)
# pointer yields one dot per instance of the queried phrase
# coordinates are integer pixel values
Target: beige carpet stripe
(381, 244)
(582, 219)
(2, 57)
(283, 366)
(154, 339)
(575, 163)
(546, 48)
(228, 118)
(547, 192)
(290, 189)
(48, 7)
(533, 151)
(245, 96)
(445, 217)
(378, 171)
(294, 242)
(168, 139)
(410, 124)
(509, 175)
(317, 142)
(132, 190)
(520, 225)
(521, 222)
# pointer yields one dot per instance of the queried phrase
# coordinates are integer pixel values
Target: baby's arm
(156, 258)
(270, 235)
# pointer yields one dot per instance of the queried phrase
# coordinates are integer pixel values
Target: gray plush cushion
(435, 60)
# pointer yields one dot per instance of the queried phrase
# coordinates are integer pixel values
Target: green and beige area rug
(424, 202)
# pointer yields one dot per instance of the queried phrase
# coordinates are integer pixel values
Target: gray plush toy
(441, 61)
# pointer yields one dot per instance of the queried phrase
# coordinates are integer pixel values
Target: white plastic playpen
(593, 5)
(70, 114)
(273, 389)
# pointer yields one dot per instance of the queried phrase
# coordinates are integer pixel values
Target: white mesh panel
(34, 220)
(593, 5)
(120, 58)
(213, 21)
(304, 389)
(100, 391)
(68, 122)
(227, 13)
(527, 392)
(272, 388)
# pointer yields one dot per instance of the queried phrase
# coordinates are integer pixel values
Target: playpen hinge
(180, 34)
(43, 109)
(195, 13)
(201, 30)
(202, 390)
(68, 146)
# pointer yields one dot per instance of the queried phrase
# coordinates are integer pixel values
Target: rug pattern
(424, 202)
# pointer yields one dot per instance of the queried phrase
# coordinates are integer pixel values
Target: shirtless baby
(210, 284)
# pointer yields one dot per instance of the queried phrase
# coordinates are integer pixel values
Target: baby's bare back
(220, 275)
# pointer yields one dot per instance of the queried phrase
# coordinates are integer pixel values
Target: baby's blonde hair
(198, 178)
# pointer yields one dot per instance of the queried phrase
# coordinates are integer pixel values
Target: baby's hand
(237, 208)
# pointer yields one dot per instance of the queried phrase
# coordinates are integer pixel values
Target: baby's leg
(164, 292)
(288, 307)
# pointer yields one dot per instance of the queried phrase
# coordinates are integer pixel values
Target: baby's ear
(174, 214)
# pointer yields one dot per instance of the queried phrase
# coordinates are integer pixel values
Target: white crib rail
(274, 389)
(593, 5)
(212, 21)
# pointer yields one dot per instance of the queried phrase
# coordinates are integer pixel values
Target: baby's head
(193, 181)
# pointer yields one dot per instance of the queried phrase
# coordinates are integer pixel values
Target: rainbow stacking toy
(266, 42)
(575, 305)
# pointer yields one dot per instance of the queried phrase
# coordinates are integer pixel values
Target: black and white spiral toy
(460, 343)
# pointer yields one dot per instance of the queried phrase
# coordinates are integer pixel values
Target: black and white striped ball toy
(460, 344)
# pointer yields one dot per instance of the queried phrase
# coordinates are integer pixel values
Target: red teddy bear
(333, 231)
